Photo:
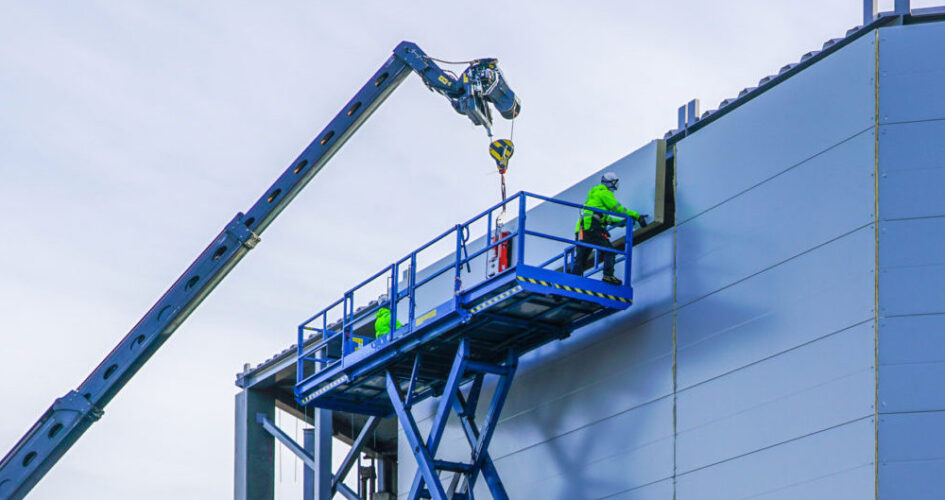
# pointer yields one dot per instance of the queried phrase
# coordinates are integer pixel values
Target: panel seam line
(876, 401)
(776, 175)
(786, 441)
(776, 264)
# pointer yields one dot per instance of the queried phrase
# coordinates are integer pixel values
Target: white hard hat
(610, 180)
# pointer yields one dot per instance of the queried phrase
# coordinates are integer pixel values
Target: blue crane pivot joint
(67, 419)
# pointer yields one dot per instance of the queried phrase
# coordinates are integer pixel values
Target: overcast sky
(131, 132)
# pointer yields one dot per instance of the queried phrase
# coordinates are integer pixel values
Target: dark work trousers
(596, 235)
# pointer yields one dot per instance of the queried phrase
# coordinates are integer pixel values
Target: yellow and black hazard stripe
(325, 388)
(501, 150)
(575, 290)
(494, 300)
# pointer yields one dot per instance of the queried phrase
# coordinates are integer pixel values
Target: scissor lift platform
(522, 309)
(474, 332)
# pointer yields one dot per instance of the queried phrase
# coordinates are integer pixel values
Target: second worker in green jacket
(382, 322)
(592, 226)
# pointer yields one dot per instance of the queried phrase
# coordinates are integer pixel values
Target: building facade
(787, 338)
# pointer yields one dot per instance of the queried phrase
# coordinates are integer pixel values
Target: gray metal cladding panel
(829, 382)
(823, 463)
(626, 451)
(618, 379)
(621, 374)
(912, 72)
(661, 490)
(912, 455)
(851, 484)
(652, 277)
(806, 206)
(577, 464)
(912, 363)
(912, 170)
(604, 380)
(817, 293)
(807, 114)
(637, 172)
(912, 266)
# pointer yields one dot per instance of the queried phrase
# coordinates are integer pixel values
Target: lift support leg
(465, 408)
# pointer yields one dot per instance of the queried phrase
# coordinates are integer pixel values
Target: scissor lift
(473, 332)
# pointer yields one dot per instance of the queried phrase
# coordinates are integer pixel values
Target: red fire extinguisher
(501, 255)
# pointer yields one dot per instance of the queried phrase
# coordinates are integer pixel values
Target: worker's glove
(641, 220)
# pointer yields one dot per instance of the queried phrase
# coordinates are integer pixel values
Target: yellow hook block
(501, 151)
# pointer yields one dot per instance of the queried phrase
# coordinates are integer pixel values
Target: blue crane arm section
(69, 416)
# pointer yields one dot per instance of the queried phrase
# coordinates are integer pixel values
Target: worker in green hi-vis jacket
(382, 322)
(592, 226)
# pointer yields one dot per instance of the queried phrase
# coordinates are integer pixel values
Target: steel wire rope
(444, 61)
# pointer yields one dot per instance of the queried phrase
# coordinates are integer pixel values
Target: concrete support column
(255, 449)
(321, 451)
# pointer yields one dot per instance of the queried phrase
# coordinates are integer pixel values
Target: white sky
(131, 132)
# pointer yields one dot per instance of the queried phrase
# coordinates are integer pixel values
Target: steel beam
(308, 473)
(414, 375)
(478, 366)
(254, 454)
(355, 451)
(443, 409)
(492, 417)
(321, 420)
(311, 461)
(870, 10)
(420, 451)
(475, 389)
(286, 441)
(527, 324)
(308, 459)
(454, 485)
(427, 481)
(903, 7)
(466, 413)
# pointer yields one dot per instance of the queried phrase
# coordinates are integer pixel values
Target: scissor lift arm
(480, 85)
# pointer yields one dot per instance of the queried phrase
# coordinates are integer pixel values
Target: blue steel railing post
(299, 369)
(324, 352)
(488, 243)
(413, 288)
(489, 228)
(627, 251)
(345, 341)
(520, 259)
(393, 298)
(458, 284)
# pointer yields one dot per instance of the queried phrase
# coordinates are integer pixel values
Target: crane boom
(60, 426)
